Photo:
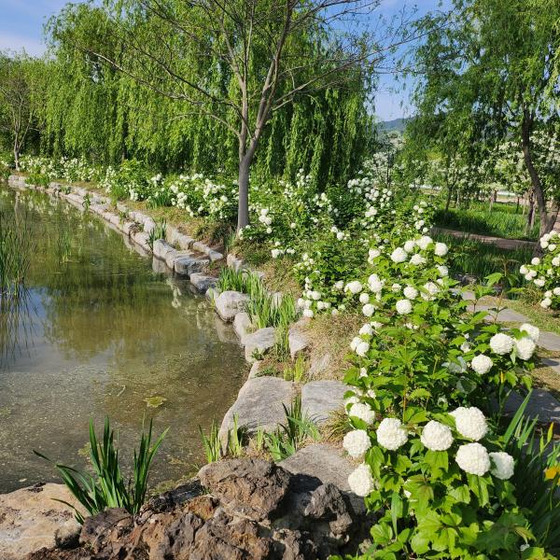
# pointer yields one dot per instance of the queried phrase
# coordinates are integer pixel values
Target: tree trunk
(526, 127)
(16, 154)
(530, 212)
(243, 180)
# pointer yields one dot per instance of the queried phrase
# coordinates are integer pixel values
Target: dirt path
(500, 242)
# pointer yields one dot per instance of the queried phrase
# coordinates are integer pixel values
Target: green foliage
(211, 443)
(158, 232)
(290, 436)
(107, 487)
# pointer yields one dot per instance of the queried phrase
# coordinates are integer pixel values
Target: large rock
(297, 342)
(185, 265)
(30, 519)
(319, 365)
(259, 405)
(259, 342)
(234, 262)
(321, 398)
(202, 282)
(242, 324)
(254, 510)
(229, 304)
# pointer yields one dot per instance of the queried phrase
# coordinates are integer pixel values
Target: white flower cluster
(356, 443)
(470, 422)
(544, 272)
(391, 434)
(524, 347)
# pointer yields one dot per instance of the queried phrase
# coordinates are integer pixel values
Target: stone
(319, 365)
(255, 369)
(142, 238)
(214, 255)
(149, 224)
(553, 363)
(234, 262)
(329, 464)
(187, 265)
(258, 342)
(30, 518)
(252, 487)
(229, 304)
(541, 405)
(319, 399)
(242, 324)
(202, 282)
(259, 405)
(297, 342)
(549, 341)
(68, 535)
(161, 249)
(212, 294)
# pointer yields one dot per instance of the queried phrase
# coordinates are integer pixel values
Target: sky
(21, 27)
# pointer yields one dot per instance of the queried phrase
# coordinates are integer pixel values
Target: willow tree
(236, 62)
(489, 76)
(21, 87)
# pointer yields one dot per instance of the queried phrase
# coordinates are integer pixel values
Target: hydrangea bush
(425, 375)
(544, 271)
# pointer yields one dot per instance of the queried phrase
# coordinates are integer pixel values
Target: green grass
(468, 256)
(504, 220)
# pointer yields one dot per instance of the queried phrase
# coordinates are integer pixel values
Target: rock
(214, 255)
(541, 405)
(202, 282)
(242, 324)
(297, 342)
(30, 518)
(259, 404)
(252, 487)
(212, 294)
(258, 342)
(179, 239)
(68, 535)
(234, 263)
(328, 464)
(230, 303)
(319, 365)
(187, 265)
(320, 398)
(161, 249)
(255, 369)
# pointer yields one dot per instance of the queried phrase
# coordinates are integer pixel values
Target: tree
(491, 76)
(20, 97)
(236, 62)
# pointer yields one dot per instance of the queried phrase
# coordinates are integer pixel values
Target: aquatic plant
(158, 232)
(107, 488)
(15, 248)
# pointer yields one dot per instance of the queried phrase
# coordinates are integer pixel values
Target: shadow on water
(99, 333)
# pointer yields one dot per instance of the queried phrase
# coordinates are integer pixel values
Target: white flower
(356, 443)
(275, 253)
(556, 291)
(354, 287)
(501, 344)
(315, 295)
(308, 313)
(532, 332)
(535, 261)
(339, 285)
(404, 307)
(375, 284)
(546, 303)
(443, 270)
(436, 436)
(368, 309)
(363, 412)
(364, 298)
(473, 458)
(362, 348)
(409, 246)
(410, 292)
(424, 242)
(482, 364)
(367, 329)
(440, 249)
(540, 282)
(361, 481)
(555, 261)
(417, 259)
(525, 347)
(503, 465)
(432, 290)
(373, 254)
(399, 255)
(523, 270)
(470, 422)
(391, 434)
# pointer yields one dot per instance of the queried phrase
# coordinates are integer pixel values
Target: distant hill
(397, 125)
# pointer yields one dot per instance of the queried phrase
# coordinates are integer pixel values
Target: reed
(15, 252)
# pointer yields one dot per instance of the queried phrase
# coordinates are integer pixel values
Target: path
(500, 242)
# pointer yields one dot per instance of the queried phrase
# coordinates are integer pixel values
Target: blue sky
(21, 26)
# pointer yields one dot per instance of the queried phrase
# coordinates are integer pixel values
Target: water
(97, 332)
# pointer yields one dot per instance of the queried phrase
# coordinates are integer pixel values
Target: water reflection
(97, 333)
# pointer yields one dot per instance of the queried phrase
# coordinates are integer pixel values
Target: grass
(15, 250)
(504, 220)
(107, 488)
(471, 257)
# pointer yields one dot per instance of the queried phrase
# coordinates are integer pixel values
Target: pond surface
(97, 332)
